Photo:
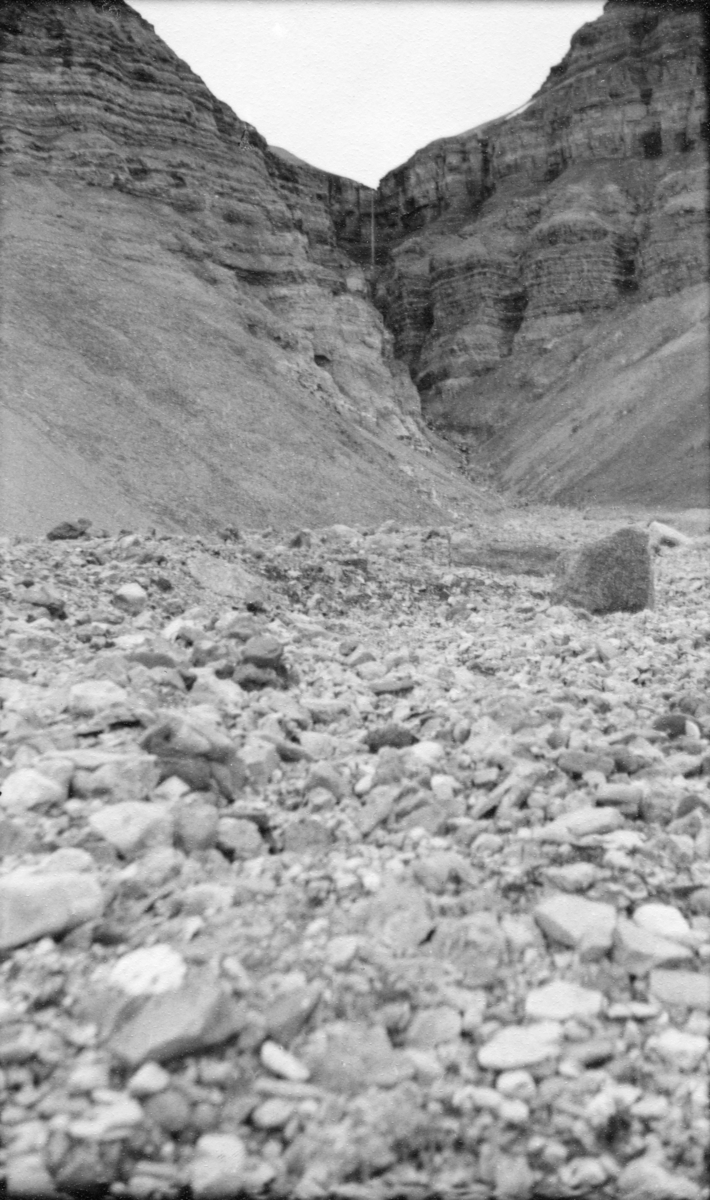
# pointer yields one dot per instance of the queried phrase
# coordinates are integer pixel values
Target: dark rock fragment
(613, 574)
(67, 531)
(390, 735)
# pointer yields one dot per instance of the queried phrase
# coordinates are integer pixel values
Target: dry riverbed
(330, 867)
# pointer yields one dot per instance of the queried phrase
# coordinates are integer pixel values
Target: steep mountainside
(545, 275)
(184, 340)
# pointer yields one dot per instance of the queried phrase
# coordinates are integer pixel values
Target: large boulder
(613, 574)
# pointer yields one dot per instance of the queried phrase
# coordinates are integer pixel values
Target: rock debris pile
(330, 867)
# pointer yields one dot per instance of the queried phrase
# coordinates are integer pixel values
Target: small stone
(94, 696)
(263, 650)
(282, 1063)
(514, 1180)
(184, 1021)
(317, 745)
(259, 760)
(690, 989)
(638, 950)
(586, 925)
(109, 1121)
(432, 1026)
(133, 826)
(28, 789)
(341, 950)
(306, 836)
(26, 1175)
(347, 1056)
(613, 574)
(323, 775)
(392, 684)
(196, 826)
(521, 1046)
(645, 1179)
(684, 1050)
(665, 921)
(169, 1109)
(67, 531)
(582, 1176)
(239, 838)
(390, 735)
(578, 762)
(273, 1113)
(148, 971)
(561, 1000)
(218, 1167)
(286, 1015)
(131, 598)
(34, 906)
(148, 1080)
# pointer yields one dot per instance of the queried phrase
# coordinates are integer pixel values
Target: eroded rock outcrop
(179, 287)
(518, 236)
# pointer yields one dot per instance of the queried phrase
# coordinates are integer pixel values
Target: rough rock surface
(558, 255)
(182, 335)
(449, 933)
(614, 574)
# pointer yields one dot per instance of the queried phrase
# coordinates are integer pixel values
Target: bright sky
(356, 86)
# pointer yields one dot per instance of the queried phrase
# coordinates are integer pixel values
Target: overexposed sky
(356, 86)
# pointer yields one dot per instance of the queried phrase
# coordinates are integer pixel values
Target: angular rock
(646, 1179)
(638, 950)
(34, 906)
(613, 574)
(134, 825)
(131, 598)
(521, 1046)
(218, 1168)
(94, 695)
(686, 989)
(30, 789)
(586, 925)
(186, 1020)
(560, 1000)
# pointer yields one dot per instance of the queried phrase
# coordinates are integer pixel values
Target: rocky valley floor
(331, 867)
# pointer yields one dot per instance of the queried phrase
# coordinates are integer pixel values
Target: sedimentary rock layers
(590, 197)
(92, 98)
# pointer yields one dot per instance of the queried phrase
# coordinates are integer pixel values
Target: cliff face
(180, 322)
(508, 244)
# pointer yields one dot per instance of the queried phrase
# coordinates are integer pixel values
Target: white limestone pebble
(684, 1050)
(560, 1000)
(218, 1168)
(149, 970)
(646, 1179)
(518, 1084)
(273, 1113)
(586, 925)
(29, 789)
(110, 1121)
(638, 949)
(148, 1080)
(521, 1046)
(666, 921)
(133, 825)
(689, 989)
(282, 1063)
(94, 695)
(131, 598)
(33, 905)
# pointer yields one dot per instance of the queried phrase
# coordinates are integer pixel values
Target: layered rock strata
(589, 199)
